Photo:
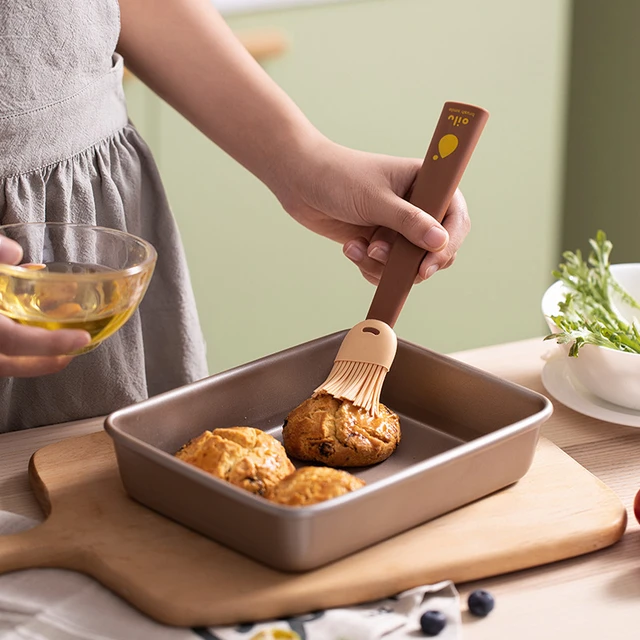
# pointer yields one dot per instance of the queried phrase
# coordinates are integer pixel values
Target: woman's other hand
(29, 351)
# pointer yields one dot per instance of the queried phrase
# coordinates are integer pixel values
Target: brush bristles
(359, 382)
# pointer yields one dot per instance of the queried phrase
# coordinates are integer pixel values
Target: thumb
(413, 223)
(10, 251)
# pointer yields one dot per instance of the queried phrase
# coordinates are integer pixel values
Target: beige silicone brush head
(363, 360)
(369, 349)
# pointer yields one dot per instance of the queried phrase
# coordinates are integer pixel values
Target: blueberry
(432, 622)
(480, 603)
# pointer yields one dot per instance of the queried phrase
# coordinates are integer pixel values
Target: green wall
(603, 130)
(374, 75)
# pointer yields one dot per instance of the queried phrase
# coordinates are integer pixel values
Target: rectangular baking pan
(465, 434)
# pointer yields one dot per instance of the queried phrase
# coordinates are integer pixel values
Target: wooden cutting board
(558, 510)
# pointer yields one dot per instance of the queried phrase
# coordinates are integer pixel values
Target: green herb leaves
(587, 314)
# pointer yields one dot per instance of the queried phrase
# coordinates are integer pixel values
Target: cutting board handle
(35, 547)
(40, 546)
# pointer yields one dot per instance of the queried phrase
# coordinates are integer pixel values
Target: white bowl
(607, 373)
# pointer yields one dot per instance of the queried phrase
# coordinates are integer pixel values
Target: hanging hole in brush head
(369, 341)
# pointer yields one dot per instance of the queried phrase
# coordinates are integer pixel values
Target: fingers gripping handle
(454, 140)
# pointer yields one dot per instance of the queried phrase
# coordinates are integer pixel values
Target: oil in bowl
(97, 297)
(99, 307)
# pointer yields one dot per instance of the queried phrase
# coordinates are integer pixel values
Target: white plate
(559, 382)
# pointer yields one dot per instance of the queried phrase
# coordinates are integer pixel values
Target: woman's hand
(356, 198)
(28, 351)
(199, 67)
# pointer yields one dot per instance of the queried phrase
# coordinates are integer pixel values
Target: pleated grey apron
(68, 153)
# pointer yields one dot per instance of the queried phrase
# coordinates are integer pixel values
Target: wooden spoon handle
(453, 142)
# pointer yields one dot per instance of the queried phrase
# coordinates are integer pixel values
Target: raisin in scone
(310, 485)
(246, 457)
(339, 434)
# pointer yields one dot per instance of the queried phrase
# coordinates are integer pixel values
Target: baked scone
(339, 434)
(310, 485)
(246, 457)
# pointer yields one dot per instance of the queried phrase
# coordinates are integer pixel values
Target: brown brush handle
(432, 191)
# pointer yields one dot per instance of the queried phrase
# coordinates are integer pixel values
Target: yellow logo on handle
(276, 634)
(456, 121)
(447, 145)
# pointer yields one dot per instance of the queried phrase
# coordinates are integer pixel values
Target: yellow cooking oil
(99, 306)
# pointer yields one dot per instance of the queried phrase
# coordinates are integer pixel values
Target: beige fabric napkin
(53, 604)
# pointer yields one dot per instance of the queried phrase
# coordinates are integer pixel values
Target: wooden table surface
(593, 597)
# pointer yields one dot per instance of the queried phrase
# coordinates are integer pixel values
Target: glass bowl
(75, 276)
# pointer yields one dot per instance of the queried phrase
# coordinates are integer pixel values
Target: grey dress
(69, 153)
